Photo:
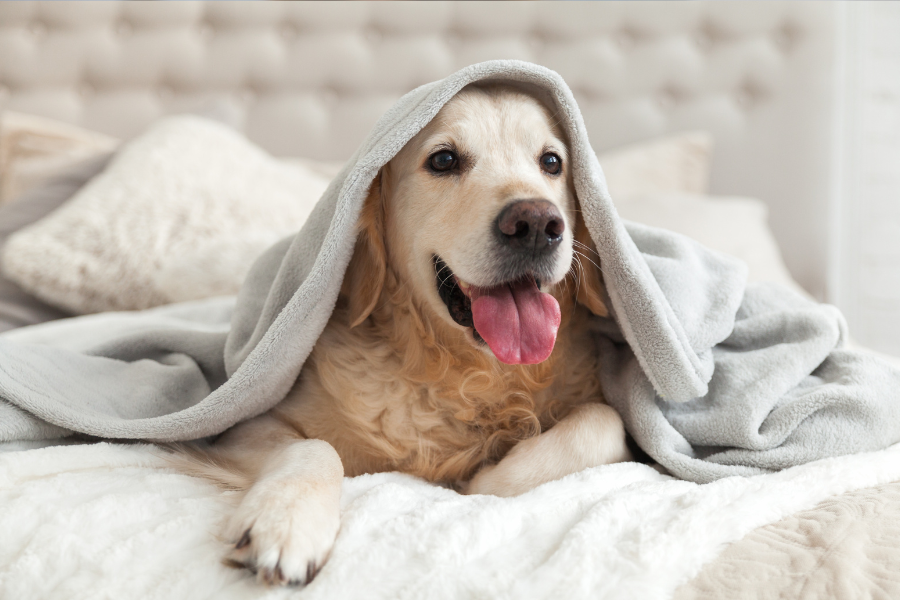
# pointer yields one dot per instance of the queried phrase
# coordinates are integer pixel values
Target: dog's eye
(444, 160)
(551, 163)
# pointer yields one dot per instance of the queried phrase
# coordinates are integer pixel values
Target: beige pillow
(180, 213)
(733, 225)
(183, 211)
(675, 163)
(33, 149)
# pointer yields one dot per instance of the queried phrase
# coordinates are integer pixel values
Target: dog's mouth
(515, 319)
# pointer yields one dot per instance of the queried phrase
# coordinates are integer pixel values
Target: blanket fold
(711, 377)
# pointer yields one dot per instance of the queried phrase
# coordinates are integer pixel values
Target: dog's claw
(269, 576)
(233, 564)
(272, 576)
(244, 541)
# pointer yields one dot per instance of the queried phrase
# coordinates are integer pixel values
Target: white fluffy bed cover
(112, 521)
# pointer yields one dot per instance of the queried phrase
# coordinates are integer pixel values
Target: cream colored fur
(395, 384)
(592, 434)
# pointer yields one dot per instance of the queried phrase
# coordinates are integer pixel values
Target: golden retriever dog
(460, 348)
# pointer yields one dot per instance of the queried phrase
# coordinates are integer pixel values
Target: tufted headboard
(310, 79)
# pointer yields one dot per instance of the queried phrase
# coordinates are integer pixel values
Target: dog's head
(477, 215)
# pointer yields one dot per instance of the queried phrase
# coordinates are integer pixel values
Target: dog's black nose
(530, 225)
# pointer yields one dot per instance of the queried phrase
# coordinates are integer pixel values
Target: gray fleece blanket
(713, 378)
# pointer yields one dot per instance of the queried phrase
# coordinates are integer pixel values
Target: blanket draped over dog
(712, 377)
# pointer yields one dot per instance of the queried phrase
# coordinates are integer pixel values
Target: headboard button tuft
(785, 36)
(704, 39)
(373, 35)
(38, 29)
(625, 39)
(289, 30)
(247, 94)
(745, 97)
(330, 96)
(667, 97)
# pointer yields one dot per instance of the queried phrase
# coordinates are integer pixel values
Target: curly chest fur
(391, 395)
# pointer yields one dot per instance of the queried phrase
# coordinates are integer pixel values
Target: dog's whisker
(577, 278)
(573, 280)
(579, 246)
(588, 259)
(585, 247)
(445, 279)
(599, 268)
(573, 269)
(584, 250)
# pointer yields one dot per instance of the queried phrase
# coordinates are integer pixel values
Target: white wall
(865, 278)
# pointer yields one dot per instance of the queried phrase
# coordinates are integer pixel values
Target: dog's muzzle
(508, 311)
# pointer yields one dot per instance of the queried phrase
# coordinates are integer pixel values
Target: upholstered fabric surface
(310, 79)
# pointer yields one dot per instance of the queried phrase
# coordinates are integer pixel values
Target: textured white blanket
(111, 521)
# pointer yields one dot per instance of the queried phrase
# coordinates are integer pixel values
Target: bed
(701, 88)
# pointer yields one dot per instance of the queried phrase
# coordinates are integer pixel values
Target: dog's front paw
(284, 530)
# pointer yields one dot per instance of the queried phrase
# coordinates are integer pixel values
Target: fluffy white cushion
(183, 211)
(180, 213)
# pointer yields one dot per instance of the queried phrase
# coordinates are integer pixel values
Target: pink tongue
(517, 320)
